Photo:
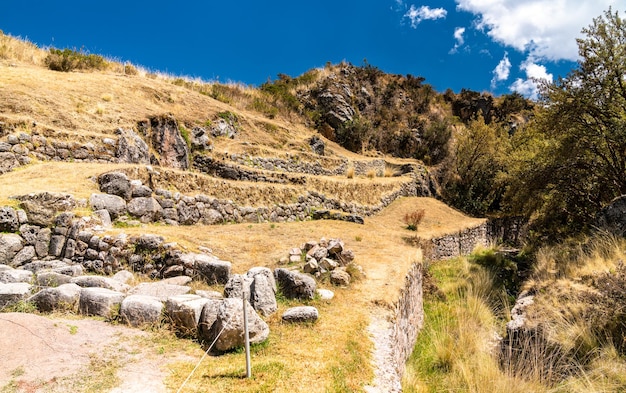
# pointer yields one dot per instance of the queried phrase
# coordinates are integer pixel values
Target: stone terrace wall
(408, 313)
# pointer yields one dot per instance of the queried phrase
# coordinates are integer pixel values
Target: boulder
(57, 242)
(140, 190)
(184, 312)
(146, 207)
(100, 282)
(178, 280)
(115, 183)
(317, 145)
(318, 252)
(212, 270)
(222, 127)
(237, 285)
(131, 148)
(328, 264)
(64, 297)
(325, 294)
(229, 322)
(10, 245)
(42, 242)
(115, 205)
(208, 316)
(311, 266)
(263, 293)
(99, 301)
(149, 242)
(8, 161)
(295, 285)
(335, 247)
(301, 314)
(188, 213)
(346, 257)
(15, 275)
(29, 233)
(159, 290)
(123, 276)
(340, 277)
(52, 279)
(211, 217)
(42, 208)
(138, 310)
(25, 255)
(36, 266)
(9, 221)
(13, 292)
(210, 294)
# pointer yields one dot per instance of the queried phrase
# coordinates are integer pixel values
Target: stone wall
(26, 243)
(407, 318)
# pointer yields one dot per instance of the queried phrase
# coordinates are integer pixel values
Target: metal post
(247, 337)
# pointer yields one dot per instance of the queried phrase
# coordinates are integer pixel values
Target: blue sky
(483, 45)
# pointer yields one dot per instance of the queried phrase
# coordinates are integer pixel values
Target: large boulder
(63, 297)
(237, 285)
(317, 145)
(184, 312)
(15, 275)
(212, 270)
(115, 183)
(10, 245)
(25, 255)
(228, 328)
(161, 291)
(295, 285)
(146, 208)
(53, 279)
(115, 205)
(42, 242)
(8, 161)
(131, 148)
(138, 310)
(263, 293)
(99, 301)
(13, 292)
(42, 208)
(100, 282)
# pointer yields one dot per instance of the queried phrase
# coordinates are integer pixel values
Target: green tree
(574, 160)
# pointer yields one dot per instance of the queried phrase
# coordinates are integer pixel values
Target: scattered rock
(212, 270)
(295, 285)
(115, 183)
(16, 275)
(42, 208)
(301, 314)
(325, 294)
(115, 205)
(340, 277)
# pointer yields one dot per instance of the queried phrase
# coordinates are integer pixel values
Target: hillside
(265, 174)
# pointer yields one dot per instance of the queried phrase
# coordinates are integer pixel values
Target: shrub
(371, 173)
(68, 59)
(350, 173)
(413, 219)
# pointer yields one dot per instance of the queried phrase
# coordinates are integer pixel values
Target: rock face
(295, 285)
(43, 207)
(167, 141)
(229, 321)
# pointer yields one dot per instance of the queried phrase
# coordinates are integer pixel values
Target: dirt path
(41, 354)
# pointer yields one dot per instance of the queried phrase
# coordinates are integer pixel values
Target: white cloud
(535, 73)
(417, 15)
(458, 35)
(460, 40)
(546, 29)
(502, 70)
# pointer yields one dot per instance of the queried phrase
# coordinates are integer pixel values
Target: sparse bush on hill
(413, 219)
(69, 59)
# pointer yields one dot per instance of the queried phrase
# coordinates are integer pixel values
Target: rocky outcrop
(131, 147)
(43, 207)
(612, 217)
(167, 141)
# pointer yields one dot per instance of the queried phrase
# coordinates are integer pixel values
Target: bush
(68, 59)
(413, 219)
